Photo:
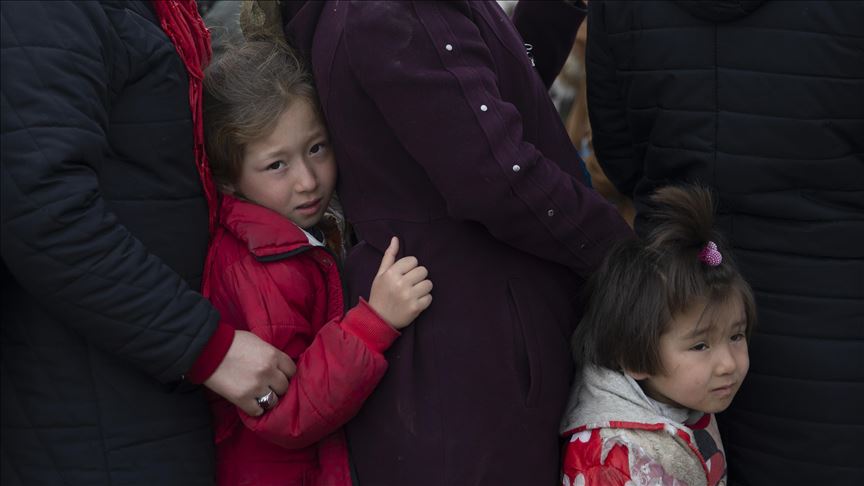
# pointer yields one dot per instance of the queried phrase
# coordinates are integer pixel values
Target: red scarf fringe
(183, 25)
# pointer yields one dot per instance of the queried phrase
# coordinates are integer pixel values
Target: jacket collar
(605, 396)
(265, 232)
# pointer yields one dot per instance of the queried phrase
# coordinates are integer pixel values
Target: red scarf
(183, 25)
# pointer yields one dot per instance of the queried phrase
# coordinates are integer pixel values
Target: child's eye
(738, 337)
(276, 165)
(699, 347)
(317, 148)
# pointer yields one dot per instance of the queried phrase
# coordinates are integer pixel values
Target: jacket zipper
(303, 249)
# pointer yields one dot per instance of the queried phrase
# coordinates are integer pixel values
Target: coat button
(484, 108)
(550, 213)
(516, 168)
(449, 47)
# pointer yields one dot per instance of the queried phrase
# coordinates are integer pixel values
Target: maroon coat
(445, 137)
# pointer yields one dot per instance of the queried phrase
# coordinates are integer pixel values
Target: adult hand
(250, 369)
(400, 291)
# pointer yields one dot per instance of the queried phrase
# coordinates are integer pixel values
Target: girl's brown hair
(644, 283)
(245, 91)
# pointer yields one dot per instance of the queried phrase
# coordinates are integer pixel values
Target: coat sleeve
(335, 374)
(550, 28)
(59, 240)
(585, 464)
(591, 459)
(612, 139)
(444, 105)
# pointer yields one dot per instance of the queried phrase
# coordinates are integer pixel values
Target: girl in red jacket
(270, 272)
(662, 347)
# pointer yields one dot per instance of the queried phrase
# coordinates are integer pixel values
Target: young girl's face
(704, 363)
(290, 170)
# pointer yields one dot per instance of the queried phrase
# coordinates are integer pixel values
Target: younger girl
(270, 272)
(663, 347)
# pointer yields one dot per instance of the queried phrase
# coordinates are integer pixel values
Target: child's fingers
(415, 275)
(424, 302)
(389, 256)
(423, 288)
(404, 265)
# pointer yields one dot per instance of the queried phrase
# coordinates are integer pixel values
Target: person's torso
(386, 192)
(495, 306)
(148, 176)
(766, 108)
(92, 417)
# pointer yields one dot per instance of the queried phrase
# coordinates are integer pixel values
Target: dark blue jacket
(104, 234)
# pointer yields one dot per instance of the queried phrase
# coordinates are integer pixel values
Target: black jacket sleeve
(59, 240)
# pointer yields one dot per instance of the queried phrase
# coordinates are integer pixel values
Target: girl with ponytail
(661, 349)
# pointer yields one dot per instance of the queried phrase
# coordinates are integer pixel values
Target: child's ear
(638, 376)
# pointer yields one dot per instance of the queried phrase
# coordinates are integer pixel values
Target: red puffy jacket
(265, 276)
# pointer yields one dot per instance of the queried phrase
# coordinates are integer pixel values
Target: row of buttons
(484, 108)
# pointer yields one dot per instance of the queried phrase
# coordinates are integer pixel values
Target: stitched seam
(741, 69)
(24, 47)
(808, 75)
(752, 156)
(47, 449)
(716, 104)
(654, 29)
(97, 405)
(745, 113)
(773, 415)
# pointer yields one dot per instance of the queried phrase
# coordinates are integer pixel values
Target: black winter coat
(104, 234)
(764, 102)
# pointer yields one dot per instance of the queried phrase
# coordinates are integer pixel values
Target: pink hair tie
(710, 255)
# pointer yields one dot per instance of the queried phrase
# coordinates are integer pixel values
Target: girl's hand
(400, 291)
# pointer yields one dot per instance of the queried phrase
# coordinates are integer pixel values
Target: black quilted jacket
(763, 101)
(104, 234)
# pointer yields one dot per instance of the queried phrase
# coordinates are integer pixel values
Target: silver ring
(268, 401)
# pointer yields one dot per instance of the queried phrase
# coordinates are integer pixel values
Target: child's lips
(309, 207)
